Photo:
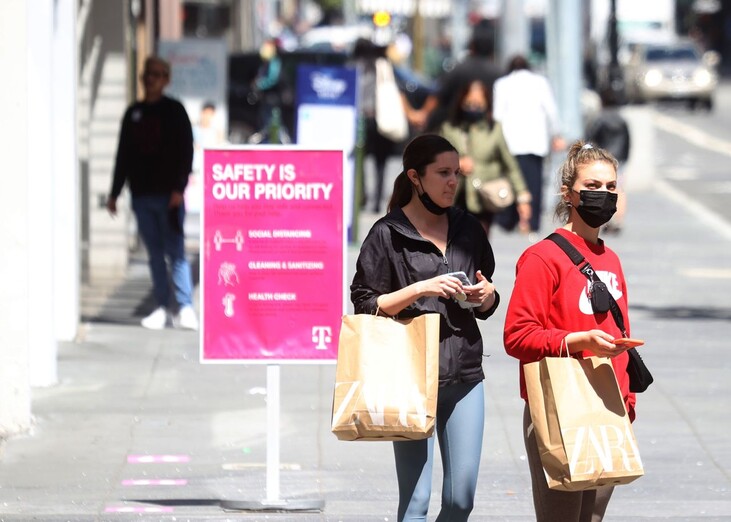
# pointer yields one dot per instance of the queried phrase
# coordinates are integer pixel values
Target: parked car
(671, 71)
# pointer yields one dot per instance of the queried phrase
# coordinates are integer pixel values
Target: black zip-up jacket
(394, 255)
(155, 151)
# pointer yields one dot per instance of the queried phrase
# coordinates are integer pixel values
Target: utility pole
(459, 28)
(514, 31)
(565, 51)
(418, 38)
(616, 78)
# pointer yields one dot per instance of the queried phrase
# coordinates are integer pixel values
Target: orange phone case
(624, 341)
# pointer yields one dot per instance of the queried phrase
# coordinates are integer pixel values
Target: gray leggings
(460, 421)
(560, 506)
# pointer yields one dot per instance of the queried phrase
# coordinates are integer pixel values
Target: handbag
(390, 116)
(583, 432)
(386, 378)
(640, 377)
(496, 194)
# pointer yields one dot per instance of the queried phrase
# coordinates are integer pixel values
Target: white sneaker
(157, 319)
(187, 318)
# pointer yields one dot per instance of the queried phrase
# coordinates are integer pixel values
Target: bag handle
(564, 344)
(378, 313)
(590, 274)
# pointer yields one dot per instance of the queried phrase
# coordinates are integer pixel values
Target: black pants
(532, 168)
(380, 148)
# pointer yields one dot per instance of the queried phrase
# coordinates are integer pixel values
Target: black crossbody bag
(602, 301)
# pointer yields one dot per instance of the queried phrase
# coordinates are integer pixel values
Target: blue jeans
(460, 423)
(155, 223)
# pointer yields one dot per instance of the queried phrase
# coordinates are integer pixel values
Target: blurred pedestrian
(550, 311)
(479, 64)
(525, 106)
(267, 84)
(402, 270)
(483, 153)
(385, 126)
(207, 132)
(155, 155)
(610, 131)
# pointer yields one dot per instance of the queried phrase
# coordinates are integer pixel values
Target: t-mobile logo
(320, 336)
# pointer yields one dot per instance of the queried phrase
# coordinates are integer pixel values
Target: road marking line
(238, 466)
(154, 482)
(717, 187)
(147, 459)
(129, 509)
(680, 173)
(707, 273)
(692, 134)
(710, 218)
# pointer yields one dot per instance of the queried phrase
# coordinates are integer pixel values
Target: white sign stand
(273, 502)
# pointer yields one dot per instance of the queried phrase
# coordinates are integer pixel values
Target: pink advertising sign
(272, 255)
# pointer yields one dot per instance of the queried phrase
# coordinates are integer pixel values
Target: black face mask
(596, 207)
(429, 204)
(472, 116)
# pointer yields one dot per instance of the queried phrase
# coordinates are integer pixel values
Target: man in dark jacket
(610, 132)
(155, 155)
(478, 65)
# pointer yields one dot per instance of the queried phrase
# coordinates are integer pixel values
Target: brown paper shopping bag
(583, 431)
(387, 378)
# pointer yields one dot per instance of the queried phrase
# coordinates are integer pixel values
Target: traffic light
(381, 18)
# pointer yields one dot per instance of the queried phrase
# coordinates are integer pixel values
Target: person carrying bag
(424, 258)
(640, 377)
(491, 178)
(576, 423)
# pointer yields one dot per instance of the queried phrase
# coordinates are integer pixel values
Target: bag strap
(590, 274)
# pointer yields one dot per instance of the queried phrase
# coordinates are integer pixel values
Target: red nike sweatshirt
(550, 300)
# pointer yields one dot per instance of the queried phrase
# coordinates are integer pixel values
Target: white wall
(66, 211)
(15, 198)
(39, 176)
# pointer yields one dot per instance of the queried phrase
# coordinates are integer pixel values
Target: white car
(672, 71)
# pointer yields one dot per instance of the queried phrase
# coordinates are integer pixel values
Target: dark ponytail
(418, 153)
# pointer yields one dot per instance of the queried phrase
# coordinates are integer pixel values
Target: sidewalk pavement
(137, 429)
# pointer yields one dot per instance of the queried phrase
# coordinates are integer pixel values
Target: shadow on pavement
(685, 312)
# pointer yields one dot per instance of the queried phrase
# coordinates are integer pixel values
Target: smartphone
(624, 341)
(462, 277)
(461, 297)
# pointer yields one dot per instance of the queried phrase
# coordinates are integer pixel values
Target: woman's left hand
(482, 292)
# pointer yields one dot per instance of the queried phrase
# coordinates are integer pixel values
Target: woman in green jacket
(484, 155)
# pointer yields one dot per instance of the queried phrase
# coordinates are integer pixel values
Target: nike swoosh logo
(607, 278)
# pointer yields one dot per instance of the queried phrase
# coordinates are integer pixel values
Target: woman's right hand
(439, 286)
(596, 341)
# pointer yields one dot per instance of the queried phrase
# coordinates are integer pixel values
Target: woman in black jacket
(404, 270)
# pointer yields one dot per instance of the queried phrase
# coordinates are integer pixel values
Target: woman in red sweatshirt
(550, 307)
